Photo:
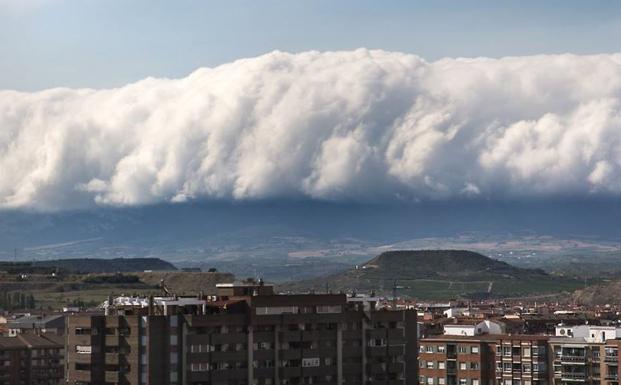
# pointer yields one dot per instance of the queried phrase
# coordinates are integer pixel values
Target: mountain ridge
(439, 274)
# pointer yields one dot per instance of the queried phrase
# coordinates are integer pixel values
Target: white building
(475, 329)
(590, 333)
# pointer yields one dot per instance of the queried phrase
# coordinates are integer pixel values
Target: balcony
(612, 376)
(579, 377)
(570, 359)
(611, 359)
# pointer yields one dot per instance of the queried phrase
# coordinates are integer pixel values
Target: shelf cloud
(344, 126)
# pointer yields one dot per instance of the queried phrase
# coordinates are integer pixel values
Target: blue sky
(108, 43)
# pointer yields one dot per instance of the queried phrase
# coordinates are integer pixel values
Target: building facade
(245, 335)
(32, 359)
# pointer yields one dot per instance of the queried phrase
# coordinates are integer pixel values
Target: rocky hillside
(607, 293)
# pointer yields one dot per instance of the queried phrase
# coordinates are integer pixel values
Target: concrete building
(522, 360)
(455, 360)
(483, 360)
(32, 359)
(518, 360)
(244, 335)
(577, 361)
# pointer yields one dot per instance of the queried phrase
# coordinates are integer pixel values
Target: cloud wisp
(355, 126)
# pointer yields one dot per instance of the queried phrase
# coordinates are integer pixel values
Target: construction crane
(165, 288)
(396, 287)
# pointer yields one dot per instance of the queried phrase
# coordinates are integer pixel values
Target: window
(429, 380)
(475, 381)
(430, 364)
(474, 350)
(441, 349)
(474, 366)
(429, 349)
(83, 349)
(462, 349)
(421, 349)
(275, 310)
(441, 365)
(463, 381)
(463, 366)
(526, 352)
(441, 381)
(328, 309)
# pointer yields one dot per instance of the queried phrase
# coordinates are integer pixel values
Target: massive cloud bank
(359, 125)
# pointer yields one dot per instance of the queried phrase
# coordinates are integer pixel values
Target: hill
(601, 294)
(187, 283)
(99, 265)
(440, 274)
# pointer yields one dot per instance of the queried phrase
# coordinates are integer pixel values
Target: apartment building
(31, 359)
(576, 361)
(521, 360)
(455, 360)
(484, 360)
(246, 335)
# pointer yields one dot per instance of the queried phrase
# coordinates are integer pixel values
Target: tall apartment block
(246, 335)
(522, 360)
(454, 360)
(484, 360)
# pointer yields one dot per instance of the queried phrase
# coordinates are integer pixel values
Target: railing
(572, 358)
(573, 376)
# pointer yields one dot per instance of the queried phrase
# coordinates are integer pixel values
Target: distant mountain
(257, 230)
(440, 274)
(95, 265)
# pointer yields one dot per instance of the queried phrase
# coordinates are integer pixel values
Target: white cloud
(358, 125)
